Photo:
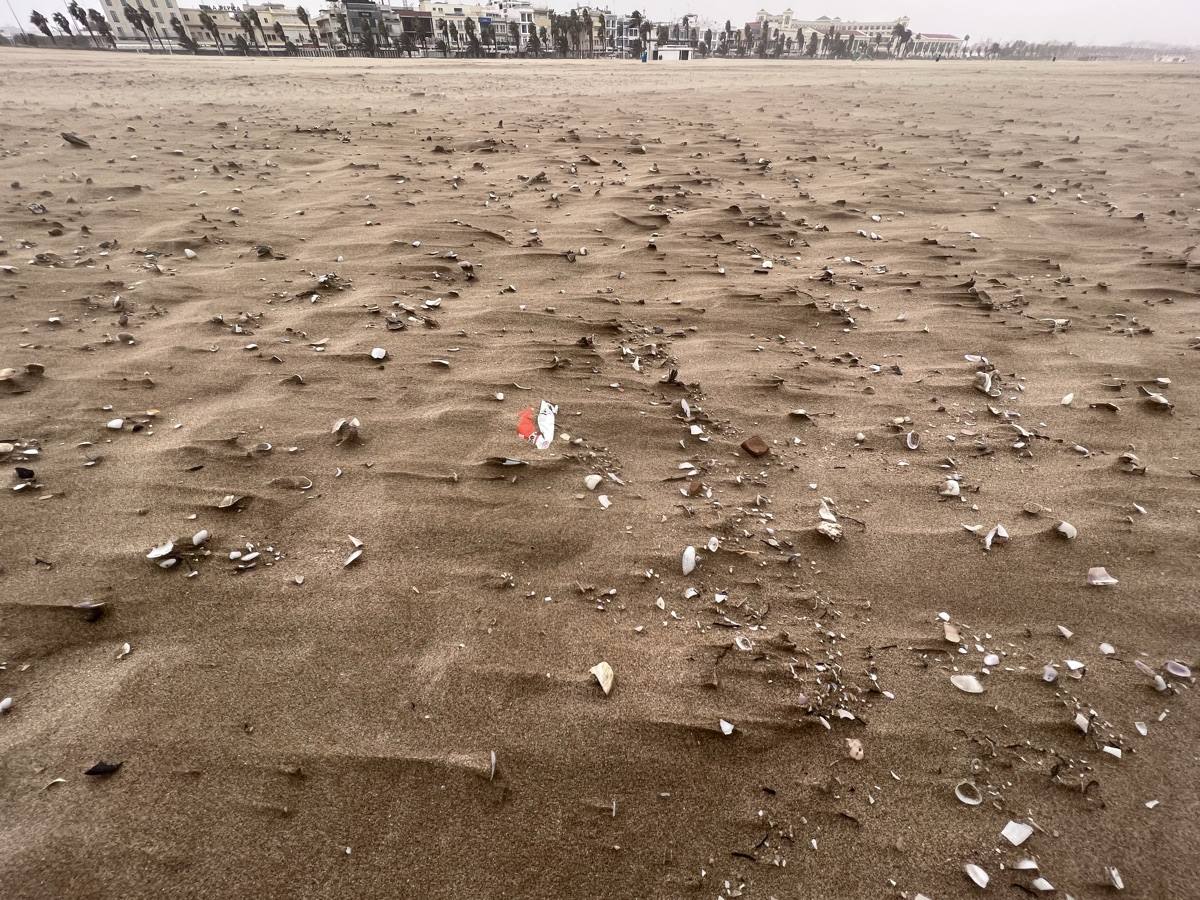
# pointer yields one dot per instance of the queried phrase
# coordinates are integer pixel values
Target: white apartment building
(160, 10)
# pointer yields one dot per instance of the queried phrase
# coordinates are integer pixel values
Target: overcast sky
(1082, 21)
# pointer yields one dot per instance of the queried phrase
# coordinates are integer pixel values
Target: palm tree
(184, 38)
(543, 39)
(454, 36)
(98, 22)
(135, 19)
(210, 25)
(258, 23)
(243, 45)
(148, 21)
(533, 46)
(445, 30)
(602, 31)
(586, 26)
(424, 31)
(79, 14)
(247, 25)
(472, 40)
(343, 32)
(406, 43)
(814, 43)
(514, 32)
(63, 25)
(302, 15)
(277, 30)
(39, 22)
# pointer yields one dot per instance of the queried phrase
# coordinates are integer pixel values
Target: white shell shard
(912, 440)
(605, 503)
(126, 649)
(1041, 884)
(950, 488)
(603, 673)
(743, 642)
(1016, 833)
(1114, 877)
(200, 537)
(967, 792)
(5, 705)
(115, 424)
(1178, 669)
(726, 727)
(189, 253)
(976, 874)
(714, 544)
(1025, 864)
(1098, 576)
(991, 660)
(998, 535)
(1067, 530)
(1066, 632)
(854, 749)
(592, 482)
(378, 353)
(352, 558)
(1049, 673)
(689, 560)
(1066, 400)
(967, 683)
(1107, 649)
(161, 550)
(951, 632)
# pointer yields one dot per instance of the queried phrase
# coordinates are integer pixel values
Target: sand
(335, 737)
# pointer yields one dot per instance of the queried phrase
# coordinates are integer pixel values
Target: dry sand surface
(422, 722)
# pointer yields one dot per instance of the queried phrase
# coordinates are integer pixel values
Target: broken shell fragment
(1016, 833)
(726, 727)
(967, 683)
(1114, 878)
(592, 482)
(115, 424)
(378, 353)
(1098, 576)
(976, 874)
(1178, 669)
(854, 749)
(967, 792)
(912, 440)
(689, 560)
(950, 488)
(603, 673)
(161, 551)
(1067, 530)
(831, 530)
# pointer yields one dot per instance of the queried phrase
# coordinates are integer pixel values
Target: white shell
(6, 704)
(189, 253)
(1114, 877)
(1178, 669)
(115, 424)
(1049, 673)
(1016, 833)
(378, 353)
(854, 748)
(726, 727)
(991, 660)
(976, 874)
(592, 482)
(200, 537)
(604, 676)
(605, 503)
(912, 440)
(689, 560)
(1067, 530)
(714, 544)
(950, 488)
(161, 550)
(968, 683)
(967, 792)
(1098, 576)
(1041, 884)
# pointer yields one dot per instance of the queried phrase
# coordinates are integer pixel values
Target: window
(160, 19)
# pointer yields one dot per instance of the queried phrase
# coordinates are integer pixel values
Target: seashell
(1049, 674)
(1178, 669)
(161, 551)
(1016, 833)
(967, 792)
(1041, 884)
(976, 874)
(726, 727)
(1114, 877)
(689, 560)
(228, 501)
(950, 488)
(743, 643)
(378, 353)
(5, 705)
(115, 424)
(352, 558)
(1098, 576)
(1067, 530)
(189, 253)
(605, 503)
(1025, 864)
(1066, 400)
(912, 440)
(200, 537)
(1066, 632)
(967, 683)
(592, 482)
(854, 749)
(991, 660)
(998, 535)
(125, 650)
(1107, 649)
(951, 633)
(603, 673)
(714, 544)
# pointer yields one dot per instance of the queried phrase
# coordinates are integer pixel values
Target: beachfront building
(225, 18)
(160, 11)
(928, 44)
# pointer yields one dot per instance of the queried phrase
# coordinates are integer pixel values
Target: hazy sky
(1083, 21)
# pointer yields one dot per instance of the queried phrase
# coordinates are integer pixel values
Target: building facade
(160, 11)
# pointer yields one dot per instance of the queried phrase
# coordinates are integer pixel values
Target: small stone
(755, 446)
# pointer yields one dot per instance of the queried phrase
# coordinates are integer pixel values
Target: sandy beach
(826, 324)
